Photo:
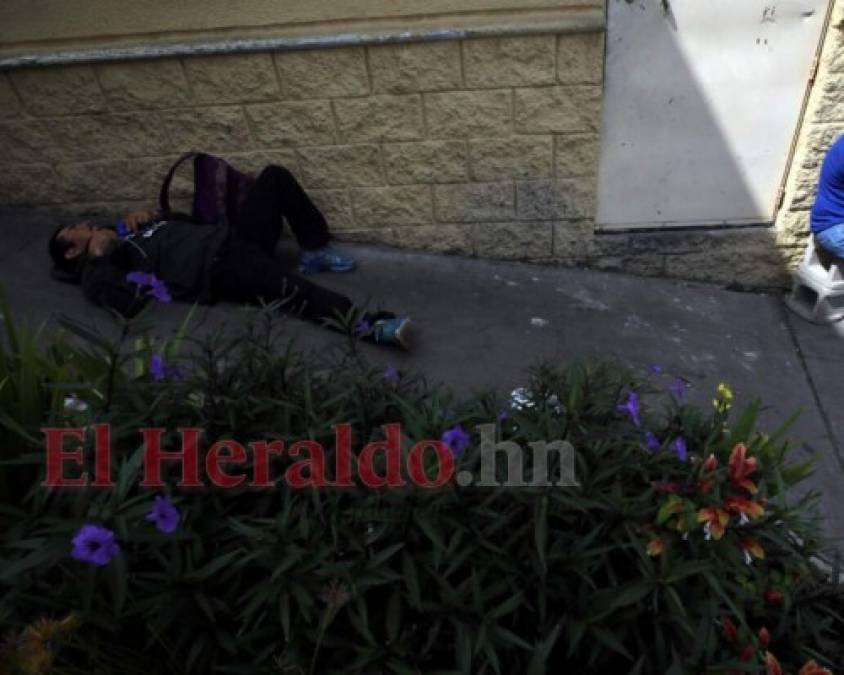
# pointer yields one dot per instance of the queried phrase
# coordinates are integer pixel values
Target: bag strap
(164, 195)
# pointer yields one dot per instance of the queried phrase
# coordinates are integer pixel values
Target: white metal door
(701, 102)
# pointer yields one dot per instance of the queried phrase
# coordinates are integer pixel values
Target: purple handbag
(218, 189)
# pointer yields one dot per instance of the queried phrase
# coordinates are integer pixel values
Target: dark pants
(274, 195)
(247, 270)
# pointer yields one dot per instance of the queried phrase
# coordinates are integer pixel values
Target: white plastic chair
(817, 293)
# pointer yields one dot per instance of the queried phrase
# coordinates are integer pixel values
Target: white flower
(707, 530)
(521, 398)
(748, 559)
(196, 399)
(554, 402)
(74, 404)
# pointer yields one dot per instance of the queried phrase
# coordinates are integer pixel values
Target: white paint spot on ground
(634, 322)
(512, 283)
(539, 322)
(534, 278)
(751, 356)
(584, 299)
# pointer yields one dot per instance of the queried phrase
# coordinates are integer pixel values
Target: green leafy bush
(651, 565)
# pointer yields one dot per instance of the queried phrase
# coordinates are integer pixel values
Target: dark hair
(64, 269)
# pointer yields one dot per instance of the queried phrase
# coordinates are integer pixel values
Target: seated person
(827, 217)
(206, 263)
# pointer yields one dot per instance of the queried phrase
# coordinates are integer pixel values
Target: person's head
(68, 246)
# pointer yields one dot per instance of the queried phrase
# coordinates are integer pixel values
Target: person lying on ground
(225, 261)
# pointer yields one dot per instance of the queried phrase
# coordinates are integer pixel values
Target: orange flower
(741, 467)
(764, 638)
(710, 464)
(715, 521)
(812, 668)
(656, 547)
(730, 630)
(751, 547)
(772, 665)
(740, 505)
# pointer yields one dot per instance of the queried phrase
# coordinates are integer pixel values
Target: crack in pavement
(833, 439)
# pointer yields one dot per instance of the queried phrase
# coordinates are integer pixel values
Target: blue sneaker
(325, 259)
(391, 332)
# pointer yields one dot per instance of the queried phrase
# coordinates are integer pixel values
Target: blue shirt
(828, 209)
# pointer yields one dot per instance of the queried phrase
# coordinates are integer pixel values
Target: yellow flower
(725, 398)
(34, 650)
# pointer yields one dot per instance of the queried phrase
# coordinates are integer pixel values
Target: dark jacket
(178, 252)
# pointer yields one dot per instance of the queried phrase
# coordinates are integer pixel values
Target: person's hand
(101, 242)
(137, 218)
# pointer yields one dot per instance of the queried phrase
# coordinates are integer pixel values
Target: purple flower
(680, 449)
(95, 545)
(157, 367)
(122, 230)
(392, 375)
(157, 288)
(631, 407)
(456, 439)
(678, 388)
(165, 516)
(141, 278)
(159, 291)
(362, 327)
(652, 442)
(504, 415)
(655, 369)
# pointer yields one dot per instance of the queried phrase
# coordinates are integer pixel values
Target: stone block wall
(822, 123)
(486, 146)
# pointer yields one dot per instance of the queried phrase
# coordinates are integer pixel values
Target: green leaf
(509, 637)
(608, 639)
(541, 530)
(393, 616)
(794, 473)
(631, 594)
(382, 557)
(430, 530)
(411, 580)
(463, 650)
(542, 652)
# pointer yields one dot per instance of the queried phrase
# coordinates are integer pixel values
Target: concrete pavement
(481, 323)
